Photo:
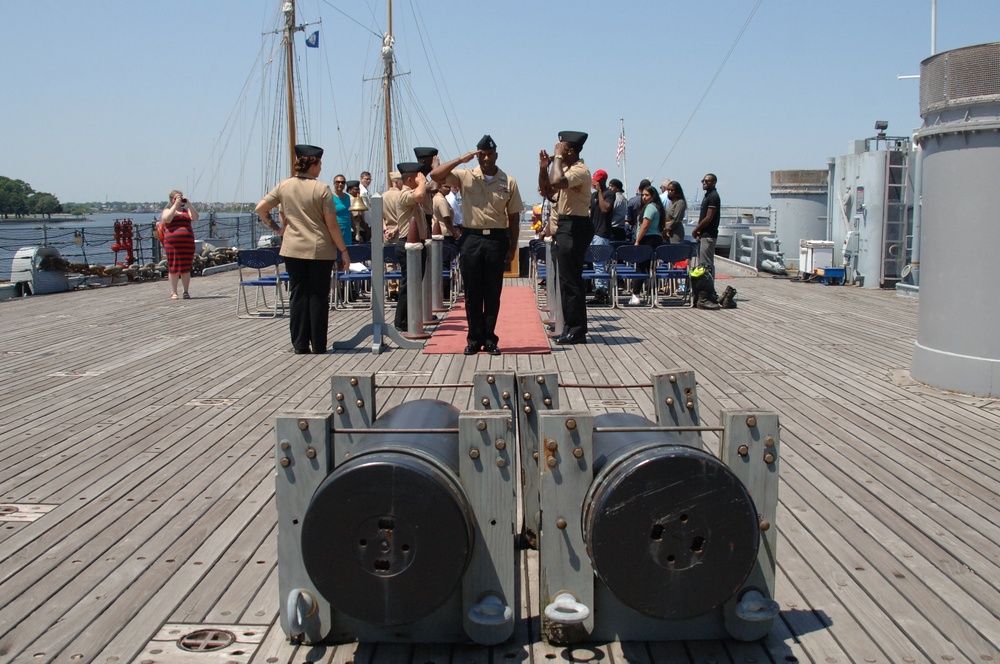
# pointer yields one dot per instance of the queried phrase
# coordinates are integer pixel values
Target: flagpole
(621, 142)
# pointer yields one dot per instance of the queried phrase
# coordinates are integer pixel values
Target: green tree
(44, 203)
(14, 197)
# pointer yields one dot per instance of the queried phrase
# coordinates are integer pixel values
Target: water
(90, 240)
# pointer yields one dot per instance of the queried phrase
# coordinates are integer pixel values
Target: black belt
(482, 231)
(572, 217)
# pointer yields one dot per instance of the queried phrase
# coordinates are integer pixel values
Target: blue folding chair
(347, 279)
(538, 271)
(674, 279)
(598, 254)
(627, 259)
(251, 264)
(391, 267)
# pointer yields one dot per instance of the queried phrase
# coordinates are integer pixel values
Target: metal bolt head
(303, 425)
(551, 462)
(339, 396)
(506, 406)
(571, 424)
(473, 453)
(769, 441)
(501, 462)
(284, 444)
(540, 380)
(485, 402)
(561, 523)
(689, 405)
(360, 403)
(551, 445)
(672, 378)
(311, 452)
(500, 444)
(751, 421)
(527, 396)
(285, 462)
(354, 382)
(669, 401)
(340, 410)
(547, 401)
(764, 526)
(768, 458)
(480, 425)
(578, 452)
(505, 395)
(527, 410)
(534, 455)
(743, 451)
(491, 379)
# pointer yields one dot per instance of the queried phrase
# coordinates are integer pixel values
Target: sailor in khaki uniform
(565, 177)
(404, 219)
(491, 215)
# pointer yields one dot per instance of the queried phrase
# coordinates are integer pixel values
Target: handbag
(160, 231)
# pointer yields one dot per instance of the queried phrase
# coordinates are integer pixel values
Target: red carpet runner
(519, 327)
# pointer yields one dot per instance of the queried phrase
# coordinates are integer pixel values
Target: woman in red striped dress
(178, 240)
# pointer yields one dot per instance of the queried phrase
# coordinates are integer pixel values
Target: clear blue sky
(126, 99)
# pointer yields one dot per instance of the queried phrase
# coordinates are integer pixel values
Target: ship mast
(387, 53)
(288, 8)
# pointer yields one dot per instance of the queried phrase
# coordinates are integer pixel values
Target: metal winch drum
(400, 526)
(388, 534)
(385, 532)
(670, 530)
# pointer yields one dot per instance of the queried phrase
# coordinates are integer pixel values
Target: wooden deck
(138, 434)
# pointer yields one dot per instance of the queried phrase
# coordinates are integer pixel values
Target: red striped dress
(178, 240)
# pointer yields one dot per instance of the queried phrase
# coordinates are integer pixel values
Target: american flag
(621, 147)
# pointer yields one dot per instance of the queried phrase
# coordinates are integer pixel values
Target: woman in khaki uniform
(311, 238)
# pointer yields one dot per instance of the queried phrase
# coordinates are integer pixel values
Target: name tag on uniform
(486, 231)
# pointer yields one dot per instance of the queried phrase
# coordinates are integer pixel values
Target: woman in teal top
(343, 203)
(648, 232)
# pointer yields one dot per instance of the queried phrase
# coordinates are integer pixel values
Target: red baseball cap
(600, 174)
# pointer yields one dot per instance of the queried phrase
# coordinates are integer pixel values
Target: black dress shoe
(301, 351)
(571, 339)
(472, 349)
(492, 349)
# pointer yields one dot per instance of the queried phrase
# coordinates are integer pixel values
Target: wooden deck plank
(895, 477)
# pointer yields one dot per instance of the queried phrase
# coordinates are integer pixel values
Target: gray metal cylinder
(670, 530)
(957, 345)
(389, 533)
(799, 199)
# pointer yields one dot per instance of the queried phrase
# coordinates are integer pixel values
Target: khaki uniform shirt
(399, 210)
(575, 200)
(304, 200)
(442, 211)
(488, 204)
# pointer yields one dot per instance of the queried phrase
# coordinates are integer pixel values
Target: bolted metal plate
(23, 512)
(671, 531)
(206, 640)
(179, 643)
(387, 537)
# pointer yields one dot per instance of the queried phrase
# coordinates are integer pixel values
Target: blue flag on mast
(312, 41)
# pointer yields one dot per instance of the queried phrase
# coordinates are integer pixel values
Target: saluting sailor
(491, 215)
(565, 177)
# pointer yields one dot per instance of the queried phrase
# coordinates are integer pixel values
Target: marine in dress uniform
(565, 177)
(491, 214)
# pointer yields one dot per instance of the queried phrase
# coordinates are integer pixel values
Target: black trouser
(618, 234)
(309, 302)
(482, 273)
(572, 238)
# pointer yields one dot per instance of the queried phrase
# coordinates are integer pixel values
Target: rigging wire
(421, 28)
(350, 18)
(718, 71)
